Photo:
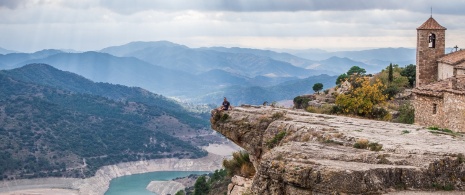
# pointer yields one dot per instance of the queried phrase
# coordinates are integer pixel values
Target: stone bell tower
(431, 41)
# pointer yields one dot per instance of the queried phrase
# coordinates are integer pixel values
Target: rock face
(239, 185)
(296, 152)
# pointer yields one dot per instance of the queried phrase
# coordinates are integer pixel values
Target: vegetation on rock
(240, 164)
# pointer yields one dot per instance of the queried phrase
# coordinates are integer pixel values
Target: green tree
(180, 192)
(390, 73)
(201, 186)
(341, 78)
(410, 72)
(356, 70)
(317, 87)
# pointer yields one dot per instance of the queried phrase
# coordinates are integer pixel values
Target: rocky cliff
(296, 152)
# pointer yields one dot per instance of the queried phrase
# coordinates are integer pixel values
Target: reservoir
(135, 184)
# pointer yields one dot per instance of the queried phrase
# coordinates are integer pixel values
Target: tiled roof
(453, 58)
(431, 24)
(438, 88)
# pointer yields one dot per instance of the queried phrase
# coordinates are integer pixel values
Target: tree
(356, 70)
(341, 78)
(410, 72)
(362, 100)
(390, 74)
(201, 186)
(317, 87)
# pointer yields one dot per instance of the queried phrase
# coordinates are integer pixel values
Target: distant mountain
(401, 56)
(344, 64)
(129, 71)
(6, 51)
(285, 57)
(13, 60)
(196, 61)
(257, 95)
(56, 123)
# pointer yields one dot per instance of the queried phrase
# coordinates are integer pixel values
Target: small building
(439, 96)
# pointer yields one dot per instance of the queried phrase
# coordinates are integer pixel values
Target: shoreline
(100, 182)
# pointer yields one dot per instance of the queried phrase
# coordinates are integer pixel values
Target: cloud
(422, 6)
(12, 4)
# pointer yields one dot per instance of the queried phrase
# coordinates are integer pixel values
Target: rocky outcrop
(239, 185)
(296, 152)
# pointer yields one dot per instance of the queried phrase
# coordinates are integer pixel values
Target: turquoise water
(135, 184)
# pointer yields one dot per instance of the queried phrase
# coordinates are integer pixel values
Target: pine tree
(391, 74)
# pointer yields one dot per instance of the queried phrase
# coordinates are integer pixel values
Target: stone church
(439, 96)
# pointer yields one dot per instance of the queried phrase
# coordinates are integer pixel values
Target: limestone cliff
(296, 152)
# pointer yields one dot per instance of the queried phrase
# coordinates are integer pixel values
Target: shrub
(301, 102)
(406, 114)
(277, 115)
(375, 146)
(460, 158)
(380, 113)
(361, 144)
(361, 100)
(224, 117)
(239, 165)
(276, 139)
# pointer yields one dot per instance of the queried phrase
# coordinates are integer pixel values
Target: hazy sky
(31, 25)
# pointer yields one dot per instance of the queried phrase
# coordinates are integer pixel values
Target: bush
(391, 91)
(276, 139)
(361, 100)
(239, 165)
(361, 144)
(406, 114)
(375, 146)
(380, 113)
(301, 102)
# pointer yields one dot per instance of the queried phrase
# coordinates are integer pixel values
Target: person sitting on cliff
(226, 105)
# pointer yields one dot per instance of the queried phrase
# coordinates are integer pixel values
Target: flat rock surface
(317, 153)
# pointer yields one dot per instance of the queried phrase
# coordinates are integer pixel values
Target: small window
(435, 108)
(432, 40)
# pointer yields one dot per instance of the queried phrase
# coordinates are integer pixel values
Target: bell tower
(431, 45)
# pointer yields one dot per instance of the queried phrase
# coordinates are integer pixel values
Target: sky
(86, 25)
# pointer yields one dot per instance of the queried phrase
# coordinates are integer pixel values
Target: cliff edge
(296, 152)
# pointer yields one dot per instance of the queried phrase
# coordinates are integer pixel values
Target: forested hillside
(58, 131)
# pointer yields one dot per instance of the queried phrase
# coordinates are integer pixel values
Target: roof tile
(453, 58)
(431, 24)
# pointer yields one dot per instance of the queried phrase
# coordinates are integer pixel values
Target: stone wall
(450, 111)
(445, 71)
(424, 108)
(454, 111)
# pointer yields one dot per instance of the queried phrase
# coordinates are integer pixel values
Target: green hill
(54, 131)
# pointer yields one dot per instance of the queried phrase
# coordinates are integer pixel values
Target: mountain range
(204, 75)
(57, 123)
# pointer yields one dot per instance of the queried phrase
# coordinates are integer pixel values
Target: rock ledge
(296, 152)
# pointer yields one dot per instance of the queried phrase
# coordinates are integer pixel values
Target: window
(435, 108)
(432, 40)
